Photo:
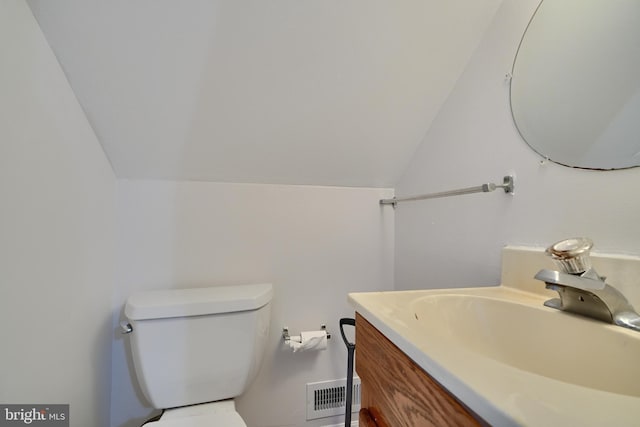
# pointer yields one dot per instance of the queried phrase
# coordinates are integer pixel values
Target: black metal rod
(350, 350)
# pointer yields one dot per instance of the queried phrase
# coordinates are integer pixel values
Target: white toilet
(194, 350)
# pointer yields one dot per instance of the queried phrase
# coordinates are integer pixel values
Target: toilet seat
(216, 414)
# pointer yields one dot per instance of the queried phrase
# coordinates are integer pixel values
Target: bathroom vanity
(497, 355)
(390, 382)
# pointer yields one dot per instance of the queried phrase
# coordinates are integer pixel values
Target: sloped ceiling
(281, 91)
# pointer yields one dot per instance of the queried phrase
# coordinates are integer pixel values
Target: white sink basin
(511, 360)
(537, 339)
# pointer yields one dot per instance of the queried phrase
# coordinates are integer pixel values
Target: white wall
(457, 241)
(57, 233)
(315, 244)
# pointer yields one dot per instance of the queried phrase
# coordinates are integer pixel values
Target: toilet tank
(192, 346)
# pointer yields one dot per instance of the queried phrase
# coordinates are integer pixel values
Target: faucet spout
(586, 296)
(627, 319)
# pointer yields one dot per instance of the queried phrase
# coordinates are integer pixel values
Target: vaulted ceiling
(281, 91)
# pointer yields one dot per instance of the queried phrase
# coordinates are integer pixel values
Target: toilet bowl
(194, 350)
(216, 414)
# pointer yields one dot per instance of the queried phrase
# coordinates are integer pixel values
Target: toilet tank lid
(161, 304)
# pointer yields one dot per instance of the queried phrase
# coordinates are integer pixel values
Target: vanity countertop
(501, 392)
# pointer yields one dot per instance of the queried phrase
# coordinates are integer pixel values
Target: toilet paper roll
(309, 341)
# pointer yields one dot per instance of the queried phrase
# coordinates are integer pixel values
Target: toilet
(195, 350)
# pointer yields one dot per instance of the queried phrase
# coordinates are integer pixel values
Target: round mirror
(575, 86)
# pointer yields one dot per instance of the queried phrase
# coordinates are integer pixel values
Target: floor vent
(328, 398)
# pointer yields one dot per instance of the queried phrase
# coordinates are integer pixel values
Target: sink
(510, 359)
(535, 339)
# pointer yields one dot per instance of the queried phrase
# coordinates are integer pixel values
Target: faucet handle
(572, 255)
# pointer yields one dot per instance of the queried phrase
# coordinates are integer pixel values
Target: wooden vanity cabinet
(370, 418)
(395, 392)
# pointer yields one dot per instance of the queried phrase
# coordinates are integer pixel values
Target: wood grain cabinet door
(365, 419)
(370, 417)
(399, 391)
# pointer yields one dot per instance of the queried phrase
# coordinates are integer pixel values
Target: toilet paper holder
(286, 337)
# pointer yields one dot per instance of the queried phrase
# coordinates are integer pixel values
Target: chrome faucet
(581, 289)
